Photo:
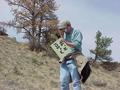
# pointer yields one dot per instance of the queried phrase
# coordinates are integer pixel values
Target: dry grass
(110, 66)
(21, 69)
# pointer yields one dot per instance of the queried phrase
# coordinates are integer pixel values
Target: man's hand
(72, 45)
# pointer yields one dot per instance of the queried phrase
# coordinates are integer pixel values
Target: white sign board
(60, 48)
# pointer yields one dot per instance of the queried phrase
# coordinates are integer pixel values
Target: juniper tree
(101, 50)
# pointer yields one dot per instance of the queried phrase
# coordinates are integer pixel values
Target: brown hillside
(21, 69)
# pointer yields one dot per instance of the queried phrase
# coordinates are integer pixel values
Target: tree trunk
(96, 56)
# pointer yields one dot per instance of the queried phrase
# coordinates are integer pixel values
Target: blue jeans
(68, 70)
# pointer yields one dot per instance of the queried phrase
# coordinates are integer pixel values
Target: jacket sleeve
(77, 40)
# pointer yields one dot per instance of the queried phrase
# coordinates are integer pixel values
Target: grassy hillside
(21, 69)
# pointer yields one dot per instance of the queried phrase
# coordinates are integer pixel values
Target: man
(68, 68)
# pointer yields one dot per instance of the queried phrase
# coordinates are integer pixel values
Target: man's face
(68, 29)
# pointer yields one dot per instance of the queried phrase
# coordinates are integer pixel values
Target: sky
(88, 16)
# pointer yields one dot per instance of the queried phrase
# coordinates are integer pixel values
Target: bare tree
(30, 16)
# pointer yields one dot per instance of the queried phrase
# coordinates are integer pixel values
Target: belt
(67, 59)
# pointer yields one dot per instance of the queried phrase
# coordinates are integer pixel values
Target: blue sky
(88, 16)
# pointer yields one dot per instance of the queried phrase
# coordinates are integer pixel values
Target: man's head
(65, 26)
